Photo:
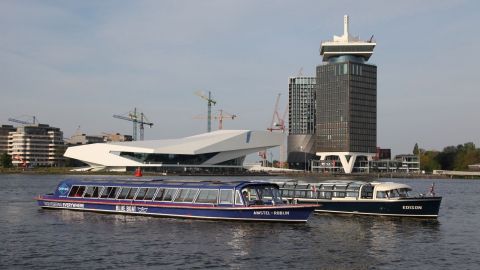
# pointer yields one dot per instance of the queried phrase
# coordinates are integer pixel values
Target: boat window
(159, 194)
(226, 196)
(269, 194)
(252, 195)
(207, 196)
(262, 195)
(76, 191)
(150, 193)
(182, 194)
(367, 192)
(131, 193)
(88, 192)
(339, 191)
(381, 194)
(403, 192)
(72, 192)
(113, 192)
(186, 195)
(301, 191)
(105, 192)
(325, 191)
(123, 193)
(287, 192)
(96, 191)
(238, 201)
(352, 190)
(191, 195)
(393, 193)
(168, 194)
(141, 193)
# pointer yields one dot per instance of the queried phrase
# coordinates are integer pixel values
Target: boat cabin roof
(390, 186)
(379, 186)
(168, 183)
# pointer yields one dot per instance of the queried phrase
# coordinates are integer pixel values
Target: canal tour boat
(366, 198)
(240, 200)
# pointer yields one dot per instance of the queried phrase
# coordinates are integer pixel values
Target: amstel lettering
(269, 213)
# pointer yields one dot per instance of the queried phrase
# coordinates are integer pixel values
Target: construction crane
(223, 115)
(220, 117)
(210, 101)
(278, 123)
(24, 122)
(137, 119)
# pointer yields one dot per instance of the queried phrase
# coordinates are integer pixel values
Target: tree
(446, 158)
(415, 150)
(466, 155)
(6, 160)
(428, 160)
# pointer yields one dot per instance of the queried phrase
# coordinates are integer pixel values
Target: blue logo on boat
(63, 189)
(249, 134)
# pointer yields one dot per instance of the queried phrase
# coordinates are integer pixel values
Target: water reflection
(237, 241)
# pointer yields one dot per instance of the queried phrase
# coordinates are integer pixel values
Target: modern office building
(301, 119)
(346, 94)
(36, 145)
(4, 131)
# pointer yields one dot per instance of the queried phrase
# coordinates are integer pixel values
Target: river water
(56, 239)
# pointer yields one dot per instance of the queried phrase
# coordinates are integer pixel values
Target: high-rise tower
(301, 121)
(346, 94)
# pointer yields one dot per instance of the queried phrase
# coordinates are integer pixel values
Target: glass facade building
(301, 119)
(346, 94)
(301, 105)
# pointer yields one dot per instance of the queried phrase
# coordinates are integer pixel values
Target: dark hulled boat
(367, 198)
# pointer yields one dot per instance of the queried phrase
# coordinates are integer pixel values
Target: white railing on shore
(457, 173)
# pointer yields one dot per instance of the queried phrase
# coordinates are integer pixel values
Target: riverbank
(358, 176)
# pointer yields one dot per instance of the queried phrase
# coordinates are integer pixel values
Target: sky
(73, 64)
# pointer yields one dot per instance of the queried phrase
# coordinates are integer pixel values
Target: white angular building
(218, 149)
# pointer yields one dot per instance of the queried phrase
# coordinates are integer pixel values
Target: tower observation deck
(346, 47)
(346, 102)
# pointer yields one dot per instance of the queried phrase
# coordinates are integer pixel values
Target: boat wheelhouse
(368, 198)
(232, 200)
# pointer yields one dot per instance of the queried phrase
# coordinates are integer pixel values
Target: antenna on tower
(300, 72)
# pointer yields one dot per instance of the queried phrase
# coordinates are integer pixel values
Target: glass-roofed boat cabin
(226, 200)
(356, 197)
(344, 190)
(203, 192)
